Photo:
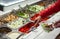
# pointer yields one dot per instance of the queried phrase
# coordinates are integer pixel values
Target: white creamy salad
(13, 35)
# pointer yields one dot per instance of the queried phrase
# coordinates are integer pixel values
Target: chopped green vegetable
(24, 15)
(36, 8)
(46, 27)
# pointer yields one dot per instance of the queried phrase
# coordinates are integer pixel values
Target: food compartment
(17, 23)
(6, 18)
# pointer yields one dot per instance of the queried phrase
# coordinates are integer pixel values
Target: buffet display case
(17, 20)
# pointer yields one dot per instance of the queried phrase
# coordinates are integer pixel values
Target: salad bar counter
(30, 21)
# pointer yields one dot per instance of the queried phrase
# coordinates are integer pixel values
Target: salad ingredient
(5, 30)
(10, 18)
(17, 24)
(13, 35)
(36, 8)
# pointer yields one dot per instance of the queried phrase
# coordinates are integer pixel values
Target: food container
(6, 18)
(24, 13)
(36, 8)
(13, 35)
(5, 30)
(17, 23)
(46, 27)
